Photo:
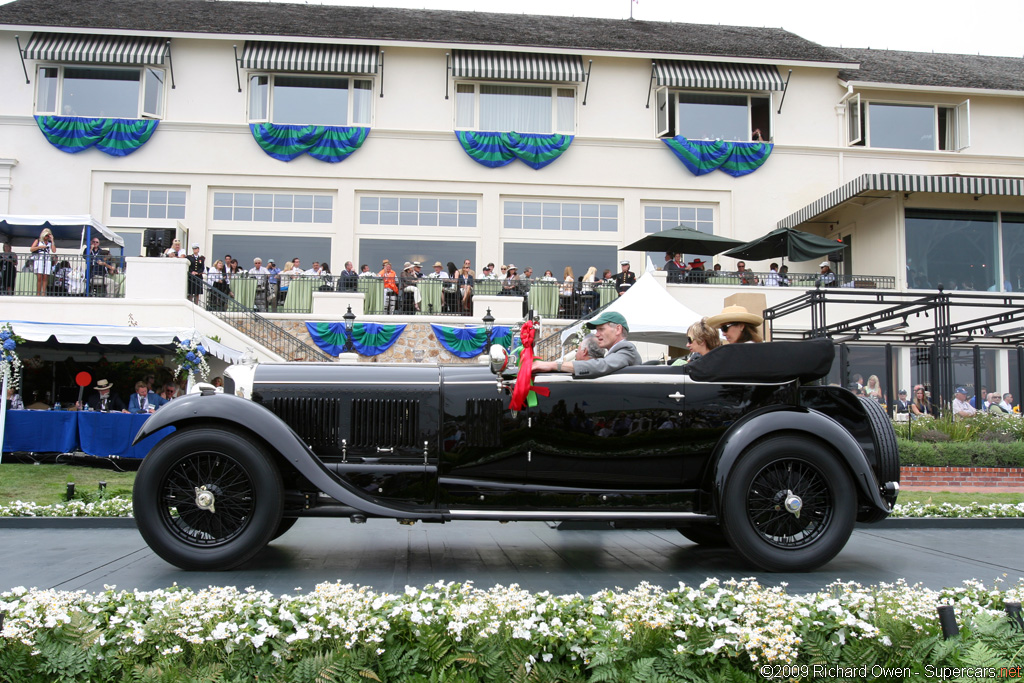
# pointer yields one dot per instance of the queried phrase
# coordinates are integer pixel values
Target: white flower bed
(739, 624)
(122, 507)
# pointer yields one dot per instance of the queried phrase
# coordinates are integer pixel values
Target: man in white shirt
(315, 270)
(262, 276)
(961, 408)
(1007, 403)
(439, 272)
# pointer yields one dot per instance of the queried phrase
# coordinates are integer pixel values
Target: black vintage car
(737, 448)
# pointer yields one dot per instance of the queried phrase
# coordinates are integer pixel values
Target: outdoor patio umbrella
(683, 239)
(786, 243)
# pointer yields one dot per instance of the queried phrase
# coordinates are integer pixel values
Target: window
(146, 203)
(1013, 251)
(100, 91)
(713, 116)
(418, 211)
(658, 217)
(265, 207)
(373, 252)
(310, 100)
(568, 216)
(909, 126)
(555, 257)
(282, 249)
(499, 108)
(955, 249)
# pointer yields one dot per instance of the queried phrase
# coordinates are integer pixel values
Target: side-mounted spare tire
(888, 468)
(208, 498)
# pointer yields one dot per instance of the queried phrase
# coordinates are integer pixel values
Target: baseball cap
(823, 264)
(960, 390)
(609, 317)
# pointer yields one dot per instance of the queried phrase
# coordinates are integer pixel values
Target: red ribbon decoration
(524, 380)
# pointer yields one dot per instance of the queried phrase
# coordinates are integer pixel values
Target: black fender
(228, 409)
(793, 419)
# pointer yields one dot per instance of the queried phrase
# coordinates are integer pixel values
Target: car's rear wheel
(207, 498)
(789, 504)
(707, 535)
(282, 528)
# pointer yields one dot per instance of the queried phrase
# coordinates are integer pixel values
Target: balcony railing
(63, 275)
(770, 279)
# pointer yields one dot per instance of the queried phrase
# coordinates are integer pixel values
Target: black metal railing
(219, 302)
(62, 275)
(774, 279)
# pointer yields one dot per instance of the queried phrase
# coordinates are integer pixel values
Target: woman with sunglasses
(738, 325)
(701, 338)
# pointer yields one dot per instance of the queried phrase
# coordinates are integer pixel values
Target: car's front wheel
(207, 498)
(789, 504)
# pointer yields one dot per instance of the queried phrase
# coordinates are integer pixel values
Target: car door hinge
(344, 450)
(529, 422)
(529, 456)
(426, 451)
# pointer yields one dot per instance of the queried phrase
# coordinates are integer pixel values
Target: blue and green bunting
(368, 339)
(467, 342)
(498, 149)
(326, 143)
(704, 156)
(116, 137)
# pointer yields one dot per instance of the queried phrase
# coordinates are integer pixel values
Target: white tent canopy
(654, 315)
(69, 333)
(68, 231)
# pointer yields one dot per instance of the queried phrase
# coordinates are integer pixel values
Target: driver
(610, 329)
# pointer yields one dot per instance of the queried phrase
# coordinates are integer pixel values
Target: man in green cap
(611, 329)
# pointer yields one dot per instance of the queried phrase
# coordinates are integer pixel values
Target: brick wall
(953, 477)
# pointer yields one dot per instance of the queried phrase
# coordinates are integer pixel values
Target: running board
(569, 515)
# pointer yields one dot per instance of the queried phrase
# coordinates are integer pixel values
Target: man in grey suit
(611, 329)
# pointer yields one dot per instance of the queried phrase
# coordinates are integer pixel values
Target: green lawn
(47, 484)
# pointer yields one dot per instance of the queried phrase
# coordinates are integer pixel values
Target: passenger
(610, 330)
(701, 338)
(738, 325)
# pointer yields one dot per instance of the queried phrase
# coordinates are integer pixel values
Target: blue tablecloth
(41, 431)
(104, 434)
(58, 431)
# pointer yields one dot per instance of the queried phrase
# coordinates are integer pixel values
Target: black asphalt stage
(387, 556)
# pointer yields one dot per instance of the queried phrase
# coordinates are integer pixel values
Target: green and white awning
(310, 57)
(717, 75)
(894, 182)
(517, 66)
(88, 49)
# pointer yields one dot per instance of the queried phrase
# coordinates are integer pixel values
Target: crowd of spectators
(147, 397)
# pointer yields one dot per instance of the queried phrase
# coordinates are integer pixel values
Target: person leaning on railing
(8, 269)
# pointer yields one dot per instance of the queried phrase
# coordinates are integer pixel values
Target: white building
(865, 145)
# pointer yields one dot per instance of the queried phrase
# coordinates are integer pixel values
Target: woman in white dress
(42, 259)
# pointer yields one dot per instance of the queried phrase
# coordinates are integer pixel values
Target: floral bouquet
(10, 364)
(190, 358)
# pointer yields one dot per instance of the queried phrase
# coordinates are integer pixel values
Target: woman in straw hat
(738, 325)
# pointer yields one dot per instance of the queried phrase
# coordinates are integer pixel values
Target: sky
(989, 27)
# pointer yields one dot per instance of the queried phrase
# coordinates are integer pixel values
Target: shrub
(961, 454)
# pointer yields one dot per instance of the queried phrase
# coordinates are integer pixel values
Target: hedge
(961, 454)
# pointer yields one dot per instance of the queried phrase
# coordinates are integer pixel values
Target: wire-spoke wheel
(207, 498)
(789, 504)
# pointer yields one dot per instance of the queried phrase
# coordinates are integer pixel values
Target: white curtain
(522, 109)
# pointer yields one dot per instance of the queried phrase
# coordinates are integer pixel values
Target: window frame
(667, 108)
(522, 233)
(955, 135)
(143, 82)
(553, 86)
(268, 103)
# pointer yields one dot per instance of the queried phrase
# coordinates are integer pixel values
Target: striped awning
(67, 47)
(717, 75)
(517, 66)
(895, 182)
(310, 57)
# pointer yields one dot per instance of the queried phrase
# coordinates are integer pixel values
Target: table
(300, 295)
(430, 296)
(544, 298)
(373, 300)
(607, 294)
(244, 290)
(106, 434)
(487, 287)
(41, 431)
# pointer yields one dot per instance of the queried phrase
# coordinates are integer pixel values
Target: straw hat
(103, 384)
(734, 314)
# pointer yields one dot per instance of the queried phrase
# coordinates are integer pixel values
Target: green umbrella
(683, 239)
(786, 243)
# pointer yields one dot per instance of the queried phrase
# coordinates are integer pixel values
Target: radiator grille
(387, 423)
(316, 420)
(483, 421)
